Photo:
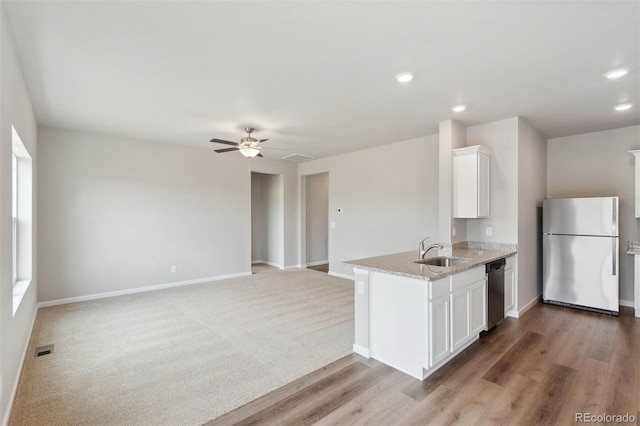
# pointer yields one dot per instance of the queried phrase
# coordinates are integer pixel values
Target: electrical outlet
(333, 225)
(453, 231)
(489, 231)
(174, 268)
(360, 287)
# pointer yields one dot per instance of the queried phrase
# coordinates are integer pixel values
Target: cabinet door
(465, 186)
(509, 299)
(478, 304)
(439, 330)
(484, 178)
(460, 331)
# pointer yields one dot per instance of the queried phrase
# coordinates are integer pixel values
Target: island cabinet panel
(460, 319)
(509, 287)
(439, 330)
(478, 307)
(398, 329)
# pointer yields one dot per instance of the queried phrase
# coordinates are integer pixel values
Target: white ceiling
(318, 77)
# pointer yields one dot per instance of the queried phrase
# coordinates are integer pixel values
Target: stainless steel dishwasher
(495, 292)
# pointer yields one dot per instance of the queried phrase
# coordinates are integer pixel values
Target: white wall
(16, 110)
(259, 224)
(267, 218)
(288, 175)
(117, 213)
(532, 188)
(452, 135)
(598, 165)
(389, 195)
(317, 218)
(502, 137)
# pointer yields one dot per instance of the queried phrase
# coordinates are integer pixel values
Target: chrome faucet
(423, 251)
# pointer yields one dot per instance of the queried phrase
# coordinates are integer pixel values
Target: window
(14, 215)
(22, 217)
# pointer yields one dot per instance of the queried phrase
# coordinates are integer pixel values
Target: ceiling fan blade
(263, 140)
(260, 155)
(224, 142)
(226, 150)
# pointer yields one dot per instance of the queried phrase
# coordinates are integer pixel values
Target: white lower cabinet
(457, 313)
(478, 307)
(439, 330)
(509, 287)
(460, 315)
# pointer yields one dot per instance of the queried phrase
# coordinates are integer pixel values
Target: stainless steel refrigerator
(580, 253)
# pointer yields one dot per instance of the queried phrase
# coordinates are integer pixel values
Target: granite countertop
(403, 263)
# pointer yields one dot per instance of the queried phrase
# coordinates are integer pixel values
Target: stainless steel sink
(442, 261)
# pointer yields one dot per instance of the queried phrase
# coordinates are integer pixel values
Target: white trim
(139, 290)
(627, 303)
(526, 307)
(19, 290)
(361, 350)
(340, 275)
(14, 391)
(275, 265)
(293, 267)
(320, 262)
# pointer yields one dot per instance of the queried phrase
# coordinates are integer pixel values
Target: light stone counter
(402, 264)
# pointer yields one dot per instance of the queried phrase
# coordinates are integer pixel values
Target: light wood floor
(542, 369)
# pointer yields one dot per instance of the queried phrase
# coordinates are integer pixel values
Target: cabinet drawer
(466, 278)
(439, 288)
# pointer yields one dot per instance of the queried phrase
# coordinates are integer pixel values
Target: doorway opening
(316, 221)
(267, 222)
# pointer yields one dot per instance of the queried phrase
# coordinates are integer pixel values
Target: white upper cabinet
(636, 154)
(471, 178)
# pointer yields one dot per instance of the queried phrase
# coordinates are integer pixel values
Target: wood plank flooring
(540, 369)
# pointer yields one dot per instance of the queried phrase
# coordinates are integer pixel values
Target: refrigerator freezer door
(581, 271)
(581, 216)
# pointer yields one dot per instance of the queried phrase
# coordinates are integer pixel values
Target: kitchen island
(416, 317)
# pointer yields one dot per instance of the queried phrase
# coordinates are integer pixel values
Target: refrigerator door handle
(614, 214)
(614, 255)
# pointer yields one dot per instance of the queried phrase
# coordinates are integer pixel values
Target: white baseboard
(14, 391)
(528, 306)
(320, 262)
(139, 290)
(293, 267)
(627, 303)
(361, 350)
(340, 275)
(275, 265)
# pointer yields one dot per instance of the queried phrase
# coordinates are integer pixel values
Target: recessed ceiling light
(404, 77)
(617, 73)
(458, 108)
(623, 107)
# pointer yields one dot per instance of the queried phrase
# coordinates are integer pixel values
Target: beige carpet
(182, 356)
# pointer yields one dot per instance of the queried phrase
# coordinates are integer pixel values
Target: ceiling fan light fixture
(249, 151)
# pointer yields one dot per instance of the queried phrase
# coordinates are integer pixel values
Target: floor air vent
(44, 350)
